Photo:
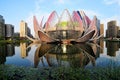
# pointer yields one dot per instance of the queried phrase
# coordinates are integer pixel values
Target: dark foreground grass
(8, 72)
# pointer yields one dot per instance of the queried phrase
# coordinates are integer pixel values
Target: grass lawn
(11, 72)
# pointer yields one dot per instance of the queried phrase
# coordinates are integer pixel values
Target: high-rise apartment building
(2, 27)
(6, 30)
(101, 29)
(111, 29)
(9, 31)
(118, 35)
(29, 32)
(98, 25)
(24, 29)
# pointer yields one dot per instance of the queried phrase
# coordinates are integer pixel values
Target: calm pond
(54, 55)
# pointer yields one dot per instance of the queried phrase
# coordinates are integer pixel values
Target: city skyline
(14, 11)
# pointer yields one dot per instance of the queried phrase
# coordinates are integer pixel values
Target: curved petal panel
(88, 20)
(93, 27)
(41, 28)
(86, 37)
(52, 22)
(36, 26)
(77, 23)
(44, 37)
(65, 21)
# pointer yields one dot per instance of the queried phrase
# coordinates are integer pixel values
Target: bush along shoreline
(11, 72)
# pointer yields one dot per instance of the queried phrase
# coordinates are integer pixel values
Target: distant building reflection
(112, 47)
(101, 46)
(2, 54)
(24, 50)
(77, 55)
(10, 49)
(5, 51)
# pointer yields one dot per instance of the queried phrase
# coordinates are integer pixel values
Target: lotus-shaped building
(67, 28)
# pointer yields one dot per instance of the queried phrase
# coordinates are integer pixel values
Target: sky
(14, 11)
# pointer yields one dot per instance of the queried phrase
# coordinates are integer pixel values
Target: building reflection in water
(54, 55)
(10, 50)
(112, 47)
(73, 55)
(101, 46)
(2, 54)
(5, 51)
(24, 50)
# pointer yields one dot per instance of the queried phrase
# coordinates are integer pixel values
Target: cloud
(109, 2)
(115, 17)
(91, 13)
(39, 13)
(39, 17)
(61, 1)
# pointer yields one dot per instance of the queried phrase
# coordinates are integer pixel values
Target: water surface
(54, 55)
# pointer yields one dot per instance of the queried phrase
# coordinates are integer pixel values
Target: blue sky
(14, 11)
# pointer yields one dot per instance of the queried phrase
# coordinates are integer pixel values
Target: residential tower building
(24, 29)
(2, 27)
(101, 29)
(9, 31)
(111, 29)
